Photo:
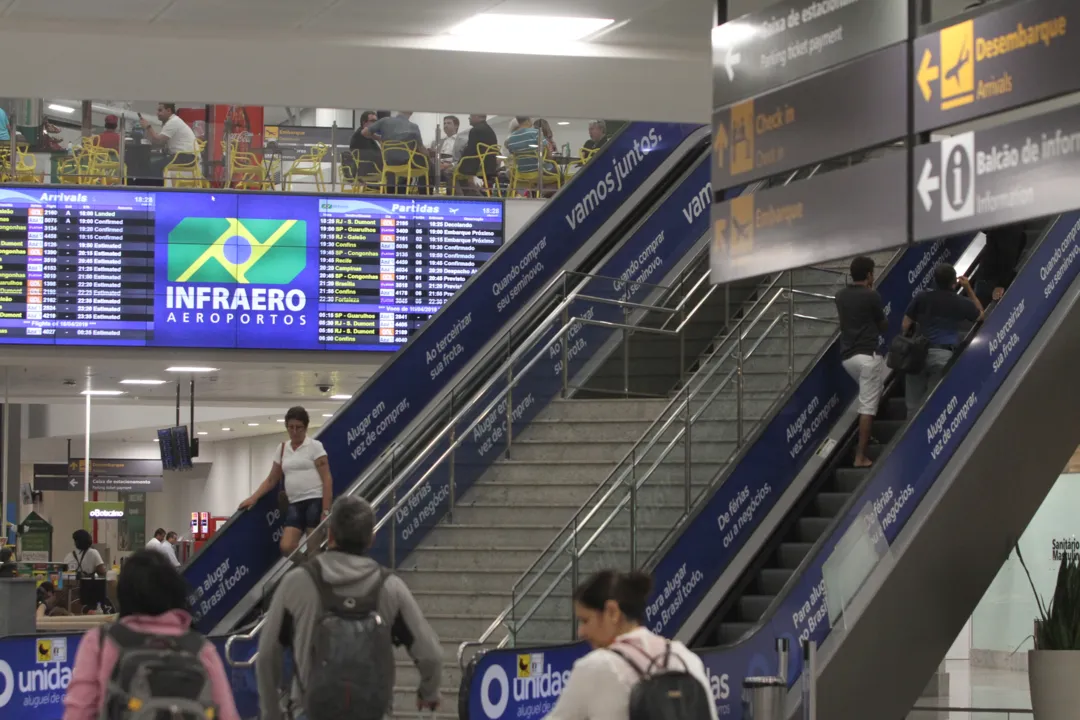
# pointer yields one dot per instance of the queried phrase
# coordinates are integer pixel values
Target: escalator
(401, 405)
(883, 568)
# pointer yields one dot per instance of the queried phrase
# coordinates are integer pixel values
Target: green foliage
(1058, 624)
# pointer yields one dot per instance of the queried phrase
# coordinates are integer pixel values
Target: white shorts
(869, 372)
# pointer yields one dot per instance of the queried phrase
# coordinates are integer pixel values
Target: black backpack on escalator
(908, 351)
(351, 663)
(666, 693)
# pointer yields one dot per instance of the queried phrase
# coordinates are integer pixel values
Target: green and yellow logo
(234, 250)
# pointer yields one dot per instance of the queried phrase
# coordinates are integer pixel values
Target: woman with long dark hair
(610, 609)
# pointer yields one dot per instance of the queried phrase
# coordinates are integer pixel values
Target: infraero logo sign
(214, 260)
(242, 251)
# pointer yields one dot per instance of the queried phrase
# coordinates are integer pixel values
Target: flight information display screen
(232, 270)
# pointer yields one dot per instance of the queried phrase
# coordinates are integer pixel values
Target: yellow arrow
(720, 143)
(927, 73)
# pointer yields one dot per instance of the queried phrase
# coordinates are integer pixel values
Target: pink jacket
(90, 677)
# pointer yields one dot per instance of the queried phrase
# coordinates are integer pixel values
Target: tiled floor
(979, 688)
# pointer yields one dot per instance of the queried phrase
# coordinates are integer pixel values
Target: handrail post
(791, 327)
(453, 458)
(573, 577)
(682, 344)
(626, 355)
(509, 397)
(633, 509)
(739, 391)
(686, 440)
(393, 515)
(565, 351)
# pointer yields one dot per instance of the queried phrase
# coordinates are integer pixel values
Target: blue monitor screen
(232, 270)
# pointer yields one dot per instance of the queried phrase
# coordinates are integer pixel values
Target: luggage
(908, 351)
(157, 677)
(351, 668)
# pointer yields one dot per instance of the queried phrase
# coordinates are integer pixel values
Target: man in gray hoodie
(296, 608)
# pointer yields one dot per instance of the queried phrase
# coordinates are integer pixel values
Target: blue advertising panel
(713, 537)
(35, 672)
(231, 270)
(246, 548)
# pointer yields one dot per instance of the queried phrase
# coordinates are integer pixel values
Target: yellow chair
(5, 163)
(357, 175)
(104, 168)
(460, 180)
(188, 174)
(309, 165)
(26, 166)
(525, 180)
(68, 171)
(416, 166)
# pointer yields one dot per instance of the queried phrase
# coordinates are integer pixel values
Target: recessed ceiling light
(563, 122)
(253, 424)
(281, 420)
(340, 397)
(190, 369)
(328, 414)
(202, 432)
(226, 429)
(102, 392)
(485, 26)
(143, 382)
(156, 440)
(61, 109)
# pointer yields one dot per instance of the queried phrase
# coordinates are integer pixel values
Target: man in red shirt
(110, 138)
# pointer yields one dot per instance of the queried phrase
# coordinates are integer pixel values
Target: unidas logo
(50, 678)
(538, 682)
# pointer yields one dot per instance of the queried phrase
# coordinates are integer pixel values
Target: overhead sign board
(856, 106)
(1014, 56)
(860, 209)
(1007, 174)
(106, 475)
(761, 51)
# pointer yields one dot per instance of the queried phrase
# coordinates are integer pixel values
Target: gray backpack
(157, 677)
(351, 664)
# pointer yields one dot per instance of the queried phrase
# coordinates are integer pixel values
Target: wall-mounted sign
(1014, 56)
(102, 511)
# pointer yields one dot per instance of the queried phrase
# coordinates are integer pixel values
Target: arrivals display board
(232, 270)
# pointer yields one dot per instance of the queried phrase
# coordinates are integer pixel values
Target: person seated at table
(48, 601)
(480, 133)
(549, 136)
(597, 135)
(175, 137)
(110, 139)
(367, 148)
(398, 128)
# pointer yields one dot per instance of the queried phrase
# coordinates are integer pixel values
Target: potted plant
(1054, 664)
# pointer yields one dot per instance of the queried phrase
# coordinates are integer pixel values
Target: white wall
(1003, 620)
(519, 212)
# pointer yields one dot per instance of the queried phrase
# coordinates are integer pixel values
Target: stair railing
(679, 415)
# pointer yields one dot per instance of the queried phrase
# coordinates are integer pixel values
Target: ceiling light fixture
(61, 109)
(190, 369)
(102, 392)
(253, 424)
(485, 26)
(143, 382)
(341, 397)
(226, 429)
(328, 414)
(563, 122)
(281, 420)
(202, 432)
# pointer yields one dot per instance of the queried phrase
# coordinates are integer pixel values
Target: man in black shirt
(480, 133)
(940, 315)
(862, 321)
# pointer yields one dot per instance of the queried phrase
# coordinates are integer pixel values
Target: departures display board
(232, 270)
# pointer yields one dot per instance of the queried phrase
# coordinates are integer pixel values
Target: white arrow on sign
(73, 482)
(927, 184)
(730, 61)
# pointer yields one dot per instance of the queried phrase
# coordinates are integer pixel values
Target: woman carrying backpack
(152, 646)
(630, 669)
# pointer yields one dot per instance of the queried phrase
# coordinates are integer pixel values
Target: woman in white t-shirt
(84, 560)
(301, 463)
(610, 609)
